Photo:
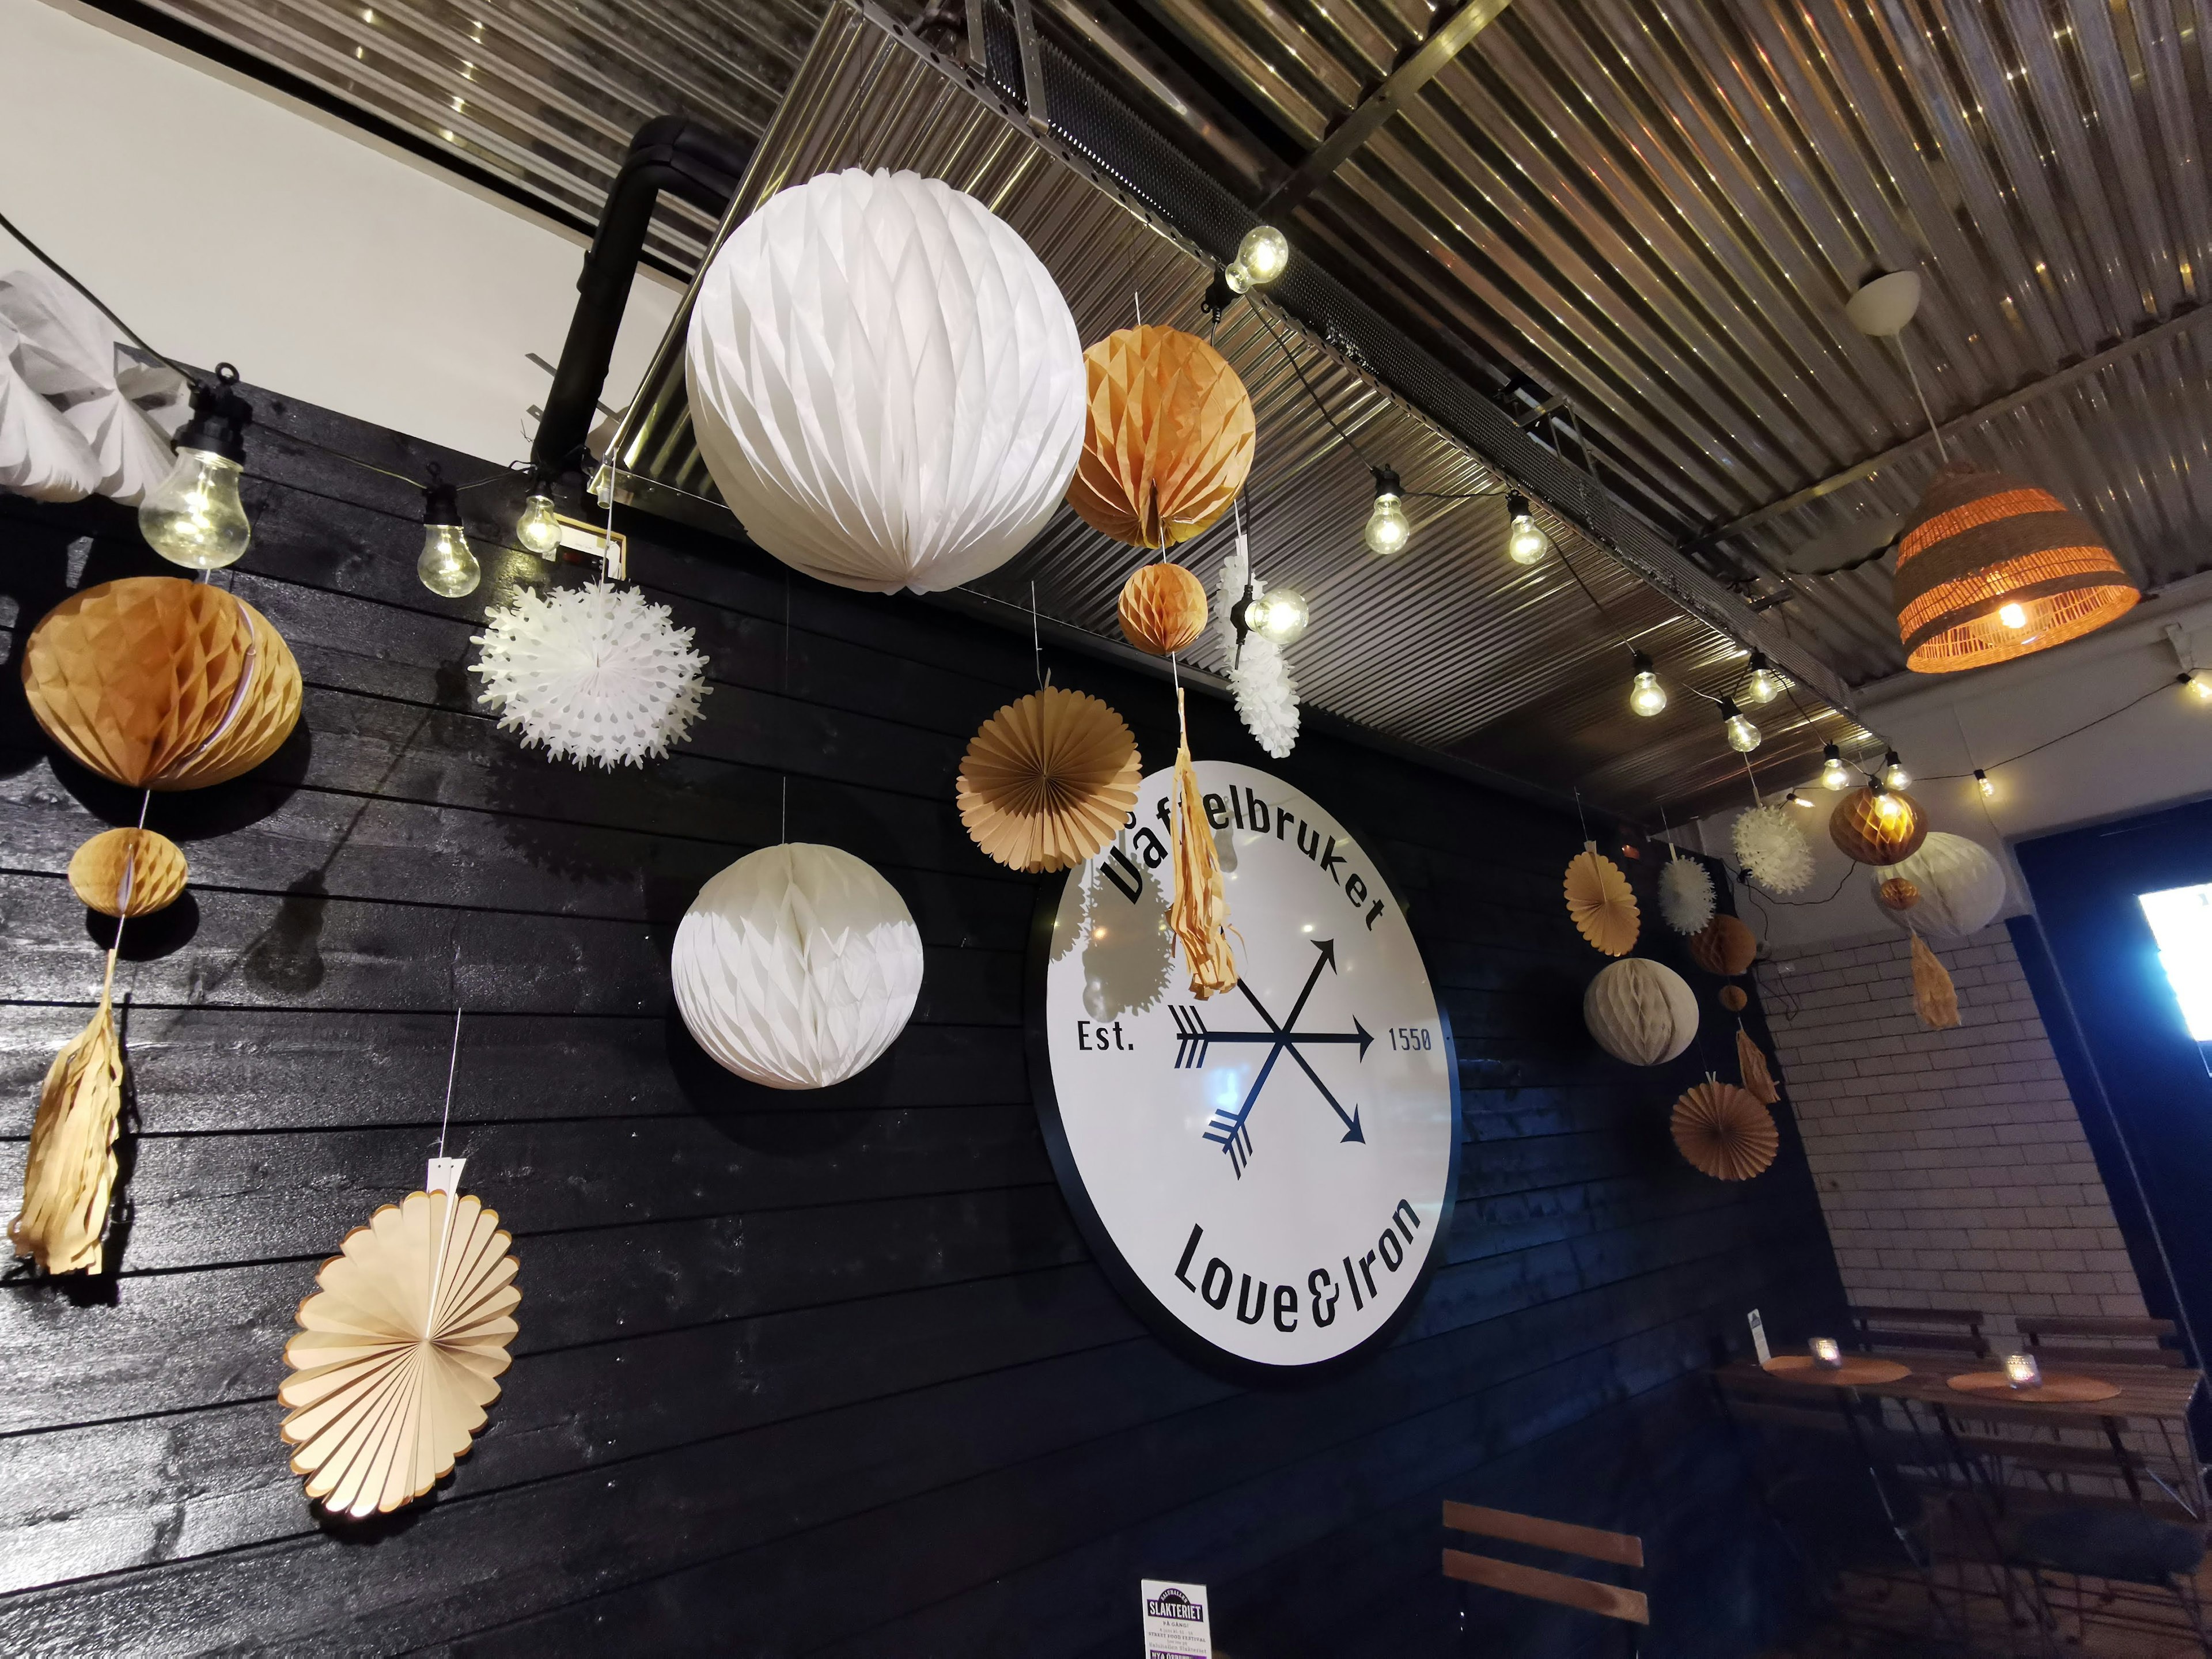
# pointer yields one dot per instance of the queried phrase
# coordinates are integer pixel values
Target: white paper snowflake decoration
(1686, 894)
(598, 675)
(1773, 848)
(1267, 695)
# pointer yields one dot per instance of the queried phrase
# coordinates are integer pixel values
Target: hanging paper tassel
(1200, 914)
(70, 1171)
(1934, 996)
(1757, 1077)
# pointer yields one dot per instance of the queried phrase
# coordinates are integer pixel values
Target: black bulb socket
(1728, 710)
(441, 504)
(1220, 296)
(1639, 662)
(1386, 483)
(1831, 753)
(220, 417)
(1516, 505)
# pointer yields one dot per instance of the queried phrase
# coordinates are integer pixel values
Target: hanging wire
(452, 1067)
(1036, 639)
(1913, 374)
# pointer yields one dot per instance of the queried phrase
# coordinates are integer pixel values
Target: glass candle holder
(1827, 1353)
(2021, 1370)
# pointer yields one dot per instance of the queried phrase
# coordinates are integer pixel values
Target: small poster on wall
(1177, 1624)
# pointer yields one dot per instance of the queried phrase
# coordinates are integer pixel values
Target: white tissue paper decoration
(1773, 848)
(1267, 695)
(83, 412)
(1685, 894)
(797, 966)
(598, 675)
(884, 382)
(1962, 887)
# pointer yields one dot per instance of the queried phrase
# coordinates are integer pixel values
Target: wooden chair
(1953, 1331)
(1591, 1596)
(2100, 1341)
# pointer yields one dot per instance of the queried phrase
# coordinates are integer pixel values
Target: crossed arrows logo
(1232, 1131)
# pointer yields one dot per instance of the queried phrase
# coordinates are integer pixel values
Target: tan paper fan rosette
(1163, 609)
(1725, 1132)
(1048, 781)
(1934, 998)
(1758, 1076)
(1600, 901)
(159, 684)
(1167, 437)
(396, 1354)
(68, 1173)
(128, 873)
(1199, 913)
(1725, 946)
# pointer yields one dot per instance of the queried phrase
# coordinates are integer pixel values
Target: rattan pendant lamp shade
(1983, 550)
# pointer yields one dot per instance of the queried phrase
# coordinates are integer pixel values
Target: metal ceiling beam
(1957, 425)
(1380, 105)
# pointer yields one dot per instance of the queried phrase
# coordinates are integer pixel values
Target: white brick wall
(1951, 1165)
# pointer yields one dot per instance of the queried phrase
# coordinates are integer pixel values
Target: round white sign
(1267, 1174)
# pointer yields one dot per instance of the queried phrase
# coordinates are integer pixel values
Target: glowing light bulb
(538, 529)
(1893, 775)
(447, 566)
(1280, 615)
(1886, 806)
(1238, 278)
(1389, 529)
(1265, 253)
(1525, 541)
(1982, 782)
(1796, 799)
(1646, 697)
(2012, 615)
(1834, 775)
(194, 517)
(1764, 685)
(1742, 735)
(2200, 684)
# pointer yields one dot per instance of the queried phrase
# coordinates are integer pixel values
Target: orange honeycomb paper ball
(1163, 609)
(160, 684)
(1167, 437)
(1898, 894)
(1872, 826)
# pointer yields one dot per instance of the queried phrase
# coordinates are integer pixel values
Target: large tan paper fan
(1167, 438)
(1600, 903)
(1725, 1132)
(1049, 780)
(396, 1355)
(160, 683)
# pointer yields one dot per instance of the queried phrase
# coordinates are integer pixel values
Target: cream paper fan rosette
(597, 675)
(884, 382)
(797, 966)
(1259, 674)
(396, 1353)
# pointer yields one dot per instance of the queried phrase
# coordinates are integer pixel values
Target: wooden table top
(2148, 1393)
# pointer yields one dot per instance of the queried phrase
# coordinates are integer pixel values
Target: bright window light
(2181, 920)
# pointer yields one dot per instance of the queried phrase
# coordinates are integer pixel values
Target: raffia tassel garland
(1600, 901)
(1758, 1076)
(1167, 438)
(396, 1354)
(69, 1172)
(1163, 608)
(1724, 1132)
(1047, 782)
(1934, 998)
(1199, 914)
(128, 873)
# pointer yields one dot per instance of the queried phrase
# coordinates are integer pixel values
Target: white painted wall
(2156, 754)
(226, 222)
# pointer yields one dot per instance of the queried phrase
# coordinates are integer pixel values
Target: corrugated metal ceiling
(1659, 209)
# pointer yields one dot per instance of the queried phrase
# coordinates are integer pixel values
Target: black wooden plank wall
(796, 1373)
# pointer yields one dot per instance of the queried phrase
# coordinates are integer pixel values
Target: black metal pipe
(702, 164)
